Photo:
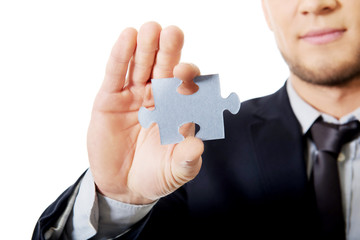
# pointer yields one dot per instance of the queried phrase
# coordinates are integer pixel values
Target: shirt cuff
(96, 216)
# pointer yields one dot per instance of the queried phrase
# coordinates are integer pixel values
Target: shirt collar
(307, 115)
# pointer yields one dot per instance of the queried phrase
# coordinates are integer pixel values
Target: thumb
(187, 160)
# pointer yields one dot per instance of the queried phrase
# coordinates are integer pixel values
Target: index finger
(169, 53)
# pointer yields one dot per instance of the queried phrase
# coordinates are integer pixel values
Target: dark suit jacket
(252, 185)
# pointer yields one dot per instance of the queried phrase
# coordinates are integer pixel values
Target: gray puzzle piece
(172, 110)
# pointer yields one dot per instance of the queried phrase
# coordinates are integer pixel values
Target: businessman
(289, 167)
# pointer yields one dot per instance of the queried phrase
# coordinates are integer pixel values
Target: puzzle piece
(172, 109)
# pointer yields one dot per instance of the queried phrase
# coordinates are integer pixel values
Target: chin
(326, 77)
(327, 73)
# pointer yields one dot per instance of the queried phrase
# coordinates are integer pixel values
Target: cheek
(284, 22)
(353, 24)
(285, 40)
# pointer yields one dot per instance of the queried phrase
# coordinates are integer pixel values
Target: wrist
(126, 197)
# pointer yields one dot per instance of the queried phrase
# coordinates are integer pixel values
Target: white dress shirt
(348, 160)
(98, 217)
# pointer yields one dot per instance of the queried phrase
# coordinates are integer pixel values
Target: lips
(323, 36)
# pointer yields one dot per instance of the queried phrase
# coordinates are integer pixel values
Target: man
(262, 181)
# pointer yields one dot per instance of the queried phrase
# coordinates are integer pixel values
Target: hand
(127, 161)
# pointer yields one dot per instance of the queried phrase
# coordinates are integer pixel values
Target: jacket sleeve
(52, 222)
(51, 219)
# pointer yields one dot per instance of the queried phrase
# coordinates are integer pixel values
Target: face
(319, 39)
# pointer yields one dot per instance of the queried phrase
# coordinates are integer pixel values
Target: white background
(52, 60)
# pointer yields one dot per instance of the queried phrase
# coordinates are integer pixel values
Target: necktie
(329, 138)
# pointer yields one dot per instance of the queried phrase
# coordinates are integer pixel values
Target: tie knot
(330, 137)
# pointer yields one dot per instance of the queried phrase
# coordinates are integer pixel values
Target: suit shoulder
(266, 105)
(265, 101)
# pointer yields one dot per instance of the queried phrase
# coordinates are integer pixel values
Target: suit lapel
(279, 148)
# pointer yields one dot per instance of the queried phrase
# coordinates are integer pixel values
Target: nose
(318, 7)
